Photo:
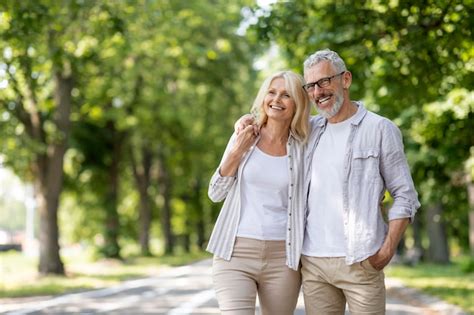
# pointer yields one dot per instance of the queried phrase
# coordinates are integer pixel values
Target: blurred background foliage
(117, 113)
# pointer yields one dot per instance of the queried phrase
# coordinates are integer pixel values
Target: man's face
(329, 99)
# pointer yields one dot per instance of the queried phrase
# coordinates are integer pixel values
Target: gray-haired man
(353, 156)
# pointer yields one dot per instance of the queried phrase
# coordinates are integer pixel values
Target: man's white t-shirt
(264, 197)
(324, 234)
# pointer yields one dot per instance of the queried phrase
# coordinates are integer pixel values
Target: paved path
(187, 290)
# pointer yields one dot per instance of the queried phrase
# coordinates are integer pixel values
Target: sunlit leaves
(420, 44)
(169, 76)
(403, 55)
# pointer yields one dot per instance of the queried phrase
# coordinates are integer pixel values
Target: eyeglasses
(324, 82)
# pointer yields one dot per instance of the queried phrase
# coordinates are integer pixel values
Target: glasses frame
(321, 83)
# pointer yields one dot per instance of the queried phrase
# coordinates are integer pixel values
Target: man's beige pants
(256, 266)
(328, 283)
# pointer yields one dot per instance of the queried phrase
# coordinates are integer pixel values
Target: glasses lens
(324, 82)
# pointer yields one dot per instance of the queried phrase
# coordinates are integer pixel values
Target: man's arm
(396, 228)
(396, 174)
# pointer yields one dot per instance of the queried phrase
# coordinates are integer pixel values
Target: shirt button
(290, 197)
(291, 185)
(289, 214)
(289, 244)
(289, 229)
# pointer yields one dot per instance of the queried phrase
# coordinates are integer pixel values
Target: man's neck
(347, 110)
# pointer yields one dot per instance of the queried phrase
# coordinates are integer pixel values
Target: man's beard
(339, 100)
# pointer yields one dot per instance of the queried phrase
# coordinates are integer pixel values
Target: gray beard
(334, 109)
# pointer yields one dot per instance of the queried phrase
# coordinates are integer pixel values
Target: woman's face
(278, 103)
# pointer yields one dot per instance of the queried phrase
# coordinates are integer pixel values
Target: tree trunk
(112, 223)
(186, 238)
(201, 230)
(49, 259)
(418, 252)
(145, 218)
(470, 195)
(438, 251)
(142, 179)
(48, 170)
(165, 190)
(200, 224)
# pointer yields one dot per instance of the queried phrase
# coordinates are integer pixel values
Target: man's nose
(317, 91)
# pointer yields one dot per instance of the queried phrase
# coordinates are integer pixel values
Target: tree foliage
(403, 56)
(156, 86)
(133, 102)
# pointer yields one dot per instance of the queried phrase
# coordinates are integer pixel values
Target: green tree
(443, 134)
(402, 54)
(206, 68)
(46, 46)
(168, 116)
(40, 75)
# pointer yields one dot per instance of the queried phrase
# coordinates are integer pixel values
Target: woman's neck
(275, 132)
(273, 138)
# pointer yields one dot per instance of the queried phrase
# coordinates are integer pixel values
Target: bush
(467, 265)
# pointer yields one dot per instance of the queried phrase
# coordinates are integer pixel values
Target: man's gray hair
(325, 55)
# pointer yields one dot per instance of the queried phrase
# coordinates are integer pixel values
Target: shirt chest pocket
(365, 165)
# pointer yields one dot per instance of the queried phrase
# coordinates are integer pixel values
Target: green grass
(449, 283)
(18, 276)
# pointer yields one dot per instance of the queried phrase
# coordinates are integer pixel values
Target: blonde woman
(258, 236)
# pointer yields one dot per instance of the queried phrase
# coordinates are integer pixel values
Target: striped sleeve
(297, 207)
(219, 186)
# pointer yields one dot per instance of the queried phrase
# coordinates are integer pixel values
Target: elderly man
(353, 156)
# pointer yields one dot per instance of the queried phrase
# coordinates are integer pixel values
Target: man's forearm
(396, 228)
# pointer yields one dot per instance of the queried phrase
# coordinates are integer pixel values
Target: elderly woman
(258, 235)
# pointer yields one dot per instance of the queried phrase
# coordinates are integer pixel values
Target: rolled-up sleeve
(396, 174)
(219, 185)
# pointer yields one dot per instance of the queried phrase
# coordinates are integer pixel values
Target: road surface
(187, 290)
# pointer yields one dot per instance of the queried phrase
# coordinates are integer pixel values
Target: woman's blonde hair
(299, 126)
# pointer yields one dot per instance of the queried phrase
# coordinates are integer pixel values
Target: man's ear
(347, 80)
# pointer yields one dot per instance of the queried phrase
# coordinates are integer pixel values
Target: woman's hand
(245, 121)
(245, 139)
